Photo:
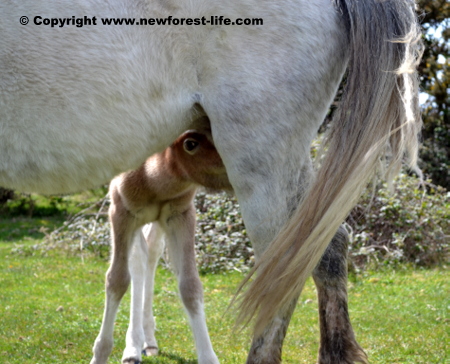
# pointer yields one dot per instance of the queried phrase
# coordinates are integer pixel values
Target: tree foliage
(434, 72)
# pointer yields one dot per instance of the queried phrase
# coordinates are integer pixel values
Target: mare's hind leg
(117, 277)
(266, 349)
(337, 340)
(269, 166)
(180, 232)
(264, 113)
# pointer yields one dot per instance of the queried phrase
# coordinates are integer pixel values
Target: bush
(87, 232)
(411, 225)
(5, 195)
(435, 156)
(221, 240)
(14, 204)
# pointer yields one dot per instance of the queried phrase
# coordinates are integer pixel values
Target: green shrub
(14, 204)
(221, 240)
(409, 226)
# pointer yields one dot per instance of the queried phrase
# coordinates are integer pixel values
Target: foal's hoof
(131, 361)
(150, 351)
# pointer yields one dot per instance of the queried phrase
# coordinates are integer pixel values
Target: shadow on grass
(18, 229)
(164, 357)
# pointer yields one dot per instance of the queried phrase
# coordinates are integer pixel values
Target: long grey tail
(378, 115)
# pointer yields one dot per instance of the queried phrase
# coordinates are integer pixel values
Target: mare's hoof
(150, 351)
(131, 361)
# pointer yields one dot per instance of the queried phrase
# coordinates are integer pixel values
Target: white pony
(79, 105)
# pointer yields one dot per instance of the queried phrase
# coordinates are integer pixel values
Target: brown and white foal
(160, 192)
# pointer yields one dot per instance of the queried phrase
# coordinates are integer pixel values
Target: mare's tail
(378, 115)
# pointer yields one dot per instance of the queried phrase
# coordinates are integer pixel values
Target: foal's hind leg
(142, 263)
(180, 241)
(117, 278)
(337, 340)
(153, 234)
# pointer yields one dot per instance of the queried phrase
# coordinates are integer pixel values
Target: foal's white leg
(117, 282)
(138, 272)
(180, 241)
(104, 341)
(117, 279)
(147, 248)
(153, 234)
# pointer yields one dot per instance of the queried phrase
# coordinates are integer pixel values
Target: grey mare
(78, 105)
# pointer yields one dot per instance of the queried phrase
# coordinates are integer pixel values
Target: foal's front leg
(180, 241)
(117, 278)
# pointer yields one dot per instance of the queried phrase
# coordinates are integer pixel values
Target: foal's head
(199, 158)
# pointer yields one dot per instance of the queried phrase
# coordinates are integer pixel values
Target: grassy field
(51, 308)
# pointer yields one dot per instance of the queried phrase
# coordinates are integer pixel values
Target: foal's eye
(190, 145)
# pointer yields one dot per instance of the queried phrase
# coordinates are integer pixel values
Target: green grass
(51, 308)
